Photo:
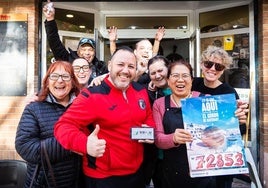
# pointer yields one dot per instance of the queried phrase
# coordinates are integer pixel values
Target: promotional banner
(217, 147)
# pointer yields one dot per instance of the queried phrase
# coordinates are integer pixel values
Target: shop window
(238, 47)
(69, 20)
(146, 22)
(224, 19)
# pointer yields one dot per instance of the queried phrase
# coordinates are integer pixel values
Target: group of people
(76, 135)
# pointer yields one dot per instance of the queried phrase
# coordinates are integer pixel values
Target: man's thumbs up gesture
(95, 146)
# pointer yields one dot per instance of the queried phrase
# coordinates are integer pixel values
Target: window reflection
(224, 19)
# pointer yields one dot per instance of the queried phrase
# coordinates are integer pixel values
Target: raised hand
(160, 33)
(112, 33)
(112, 37)
(49, 11)
(158, 37)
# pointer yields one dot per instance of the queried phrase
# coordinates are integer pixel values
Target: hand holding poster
(217, 148)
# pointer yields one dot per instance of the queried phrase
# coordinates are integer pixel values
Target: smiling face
(158, 73)
(122, 69)
(86, 51)
(82, 71)
(59, 88)
(211, 74)
(143, 52)
(180, 81)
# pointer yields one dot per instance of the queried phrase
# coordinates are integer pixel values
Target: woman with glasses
(48, 163)
(214, 61)
(170, 134)
(82, 71)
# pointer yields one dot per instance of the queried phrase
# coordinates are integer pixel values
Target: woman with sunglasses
(214, 61)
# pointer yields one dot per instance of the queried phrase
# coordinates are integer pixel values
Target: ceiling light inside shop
(69, 15)
(132, 27)
(182, 27)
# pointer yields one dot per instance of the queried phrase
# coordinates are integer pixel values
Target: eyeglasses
(176, 76)
(85, 68)
(218, 66)
(64, 77)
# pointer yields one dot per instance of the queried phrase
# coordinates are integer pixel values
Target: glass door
(194, 51)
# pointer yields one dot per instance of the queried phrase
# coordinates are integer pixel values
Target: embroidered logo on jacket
(142, 104)
(112, 107)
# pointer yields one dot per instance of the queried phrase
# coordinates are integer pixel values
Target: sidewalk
(237, 183)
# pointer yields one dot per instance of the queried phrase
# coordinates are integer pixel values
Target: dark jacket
(37, 125)
(60, 53)
(153, 95)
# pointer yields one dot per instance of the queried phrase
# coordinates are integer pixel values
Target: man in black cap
(86, 47)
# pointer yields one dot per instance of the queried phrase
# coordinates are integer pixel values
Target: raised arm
(49, 11)
(57, 47)
(112, 37)
(158, 37)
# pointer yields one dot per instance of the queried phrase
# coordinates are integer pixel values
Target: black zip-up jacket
(60, 53)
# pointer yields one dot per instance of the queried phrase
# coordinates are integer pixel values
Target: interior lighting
(69, 15)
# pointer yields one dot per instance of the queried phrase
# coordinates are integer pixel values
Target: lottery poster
(217, 147)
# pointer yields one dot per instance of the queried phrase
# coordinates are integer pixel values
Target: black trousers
(135, 180)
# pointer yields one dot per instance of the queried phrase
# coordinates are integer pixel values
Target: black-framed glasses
(85, 68)
(177, 76)
(64, 77)
(218, 66)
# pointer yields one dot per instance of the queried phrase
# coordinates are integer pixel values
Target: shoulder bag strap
(44, 152)
(34, 175)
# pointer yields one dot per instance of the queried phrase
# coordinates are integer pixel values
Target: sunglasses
(218, 66)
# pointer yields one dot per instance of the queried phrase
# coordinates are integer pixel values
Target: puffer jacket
(37, 125)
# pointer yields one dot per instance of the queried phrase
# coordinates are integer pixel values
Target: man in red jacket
(109, 111)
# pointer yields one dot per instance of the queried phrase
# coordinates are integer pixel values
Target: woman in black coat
(35, 132)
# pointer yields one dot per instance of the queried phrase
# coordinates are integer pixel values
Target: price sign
(216, 161)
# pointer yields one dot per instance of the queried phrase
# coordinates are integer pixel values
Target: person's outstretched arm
(158, 37)
(58, 49)
(49, 11)
(112, 37)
